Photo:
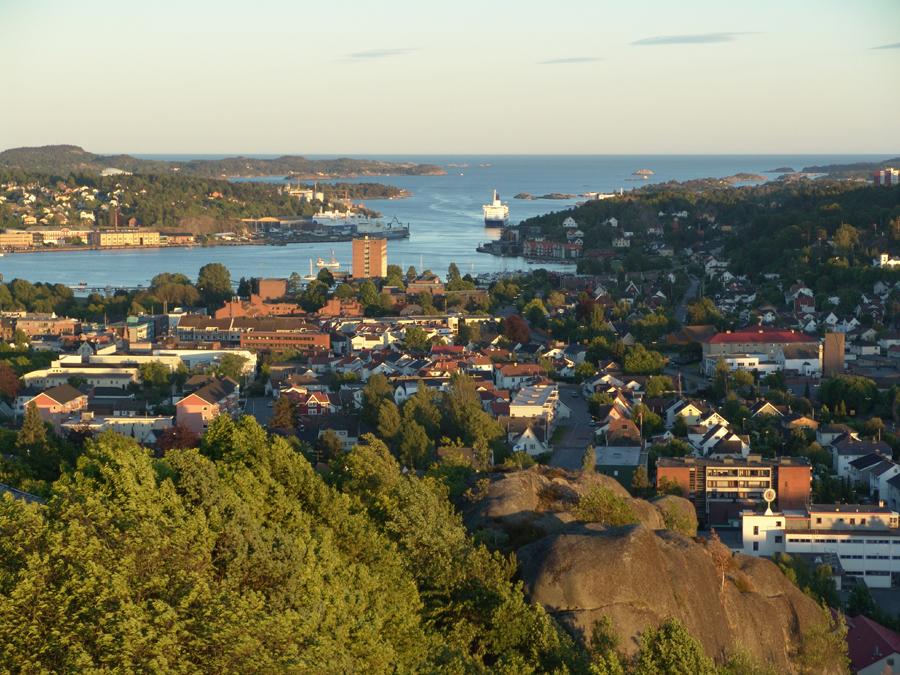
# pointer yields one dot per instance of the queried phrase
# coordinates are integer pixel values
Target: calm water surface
(444, 215)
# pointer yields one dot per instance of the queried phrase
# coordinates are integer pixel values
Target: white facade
(865, 538)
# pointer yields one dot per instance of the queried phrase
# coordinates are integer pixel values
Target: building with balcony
(722, 489)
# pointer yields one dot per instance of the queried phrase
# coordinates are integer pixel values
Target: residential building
(864, 537)
(58, 403)
(369, 258)
(721, 489)
(871, 648)
(887, 176)
(197, 408)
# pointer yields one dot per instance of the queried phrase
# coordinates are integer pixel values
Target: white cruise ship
(496, 213)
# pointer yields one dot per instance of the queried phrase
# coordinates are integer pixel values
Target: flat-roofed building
(721, 489)
(131, 236)
(865, 537)
(369, 258)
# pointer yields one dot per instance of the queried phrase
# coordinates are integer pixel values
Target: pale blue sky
(392, 76)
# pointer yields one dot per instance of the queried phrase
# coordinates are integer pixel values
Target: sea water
(444, 215)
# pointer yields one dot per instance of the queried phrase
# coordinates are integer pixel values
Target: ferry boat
(333, 263)
(496, 213)
(377, 229)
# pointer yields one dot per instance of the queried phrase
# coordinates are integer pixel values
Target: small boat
(82, 283)
(311, 277)
(333, 263)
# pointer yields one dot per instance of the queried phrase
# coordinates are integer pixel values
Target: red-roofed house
(513, 375)
(312, 403)
(872, 648)
(762, 341)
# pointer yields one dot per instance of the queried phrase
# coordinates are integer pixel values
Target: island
(642, 172)
(483, 165)
(552, 195)
(780, 169)
(744, 177)
(457, 166)
(65, 159)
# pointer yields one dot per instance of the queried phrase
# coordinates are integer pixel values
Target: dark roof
(64, 393)
(18, 494)
(852, 446)
(869, 642)
(866, 461)
(217, 391)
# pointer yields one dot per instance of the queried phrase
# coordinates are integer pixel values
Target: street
(579, 433)
(260, 408)
(689, 294)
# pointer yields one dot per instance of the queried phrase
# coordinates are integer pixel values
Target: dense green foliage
(601, 505)
(67, 158)
(240, 559)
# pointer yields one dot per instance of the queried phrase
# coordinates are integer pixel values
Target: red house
(196, 409)
(58, 403)
(314, 403)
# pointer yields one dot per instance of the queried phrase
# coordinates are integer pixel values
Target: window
(777, 523)
(756, 529)
(853, 521)
(755, 545)
(778, 538)
(863, 521)
(818, 521)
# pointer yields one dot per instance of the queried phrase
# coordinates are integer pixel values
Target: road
(689, 294)
(579, 432)
(260, 408)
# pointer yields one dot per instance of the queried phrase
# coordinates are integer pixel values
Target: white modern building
(865, 538)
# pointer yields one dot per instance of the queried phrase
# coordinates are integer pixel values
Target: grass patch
(558, 434)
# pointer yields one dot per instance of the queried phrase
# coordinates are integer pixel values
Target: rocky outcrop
(639, 577)
(641, 574)
(526, 496)
(544, 499)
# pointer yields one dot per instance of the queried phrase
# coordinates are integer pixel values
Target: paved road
(690, 294)
(579, 432)
(260, 409)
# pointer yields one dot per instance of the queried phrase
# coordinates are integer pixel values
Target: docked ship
(333, 263)
(496, 213)
(378, 229)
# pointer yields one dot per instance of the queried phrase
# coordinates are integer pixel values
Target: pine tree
(589, 459)
(639, 483)
(33, 434)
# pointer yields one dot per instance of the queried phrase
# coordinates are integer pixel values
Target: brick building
(369, 258)
(721, 489)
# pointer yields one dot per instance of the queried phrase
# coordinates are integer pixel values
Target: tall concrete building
(369, 258)
(833, 355)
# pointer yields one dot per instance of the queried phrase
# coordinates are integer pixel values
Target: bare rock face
(523, 496)
(544, 499)
(639, 577)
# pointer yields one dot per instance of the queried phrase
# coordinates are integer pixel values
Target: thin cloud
(379, 53)
(703, 39)
(574, 59)
(896, 45)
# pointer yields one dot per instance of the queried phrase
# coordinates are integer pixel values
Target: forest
(64, 159)
(162, 201)
(237, 557)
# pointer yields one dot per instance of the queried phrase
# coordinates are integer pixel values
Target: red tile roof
(864, 637)
(761, 334)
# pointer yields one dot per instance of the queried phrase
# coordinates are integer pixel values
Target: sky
(351, 78)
